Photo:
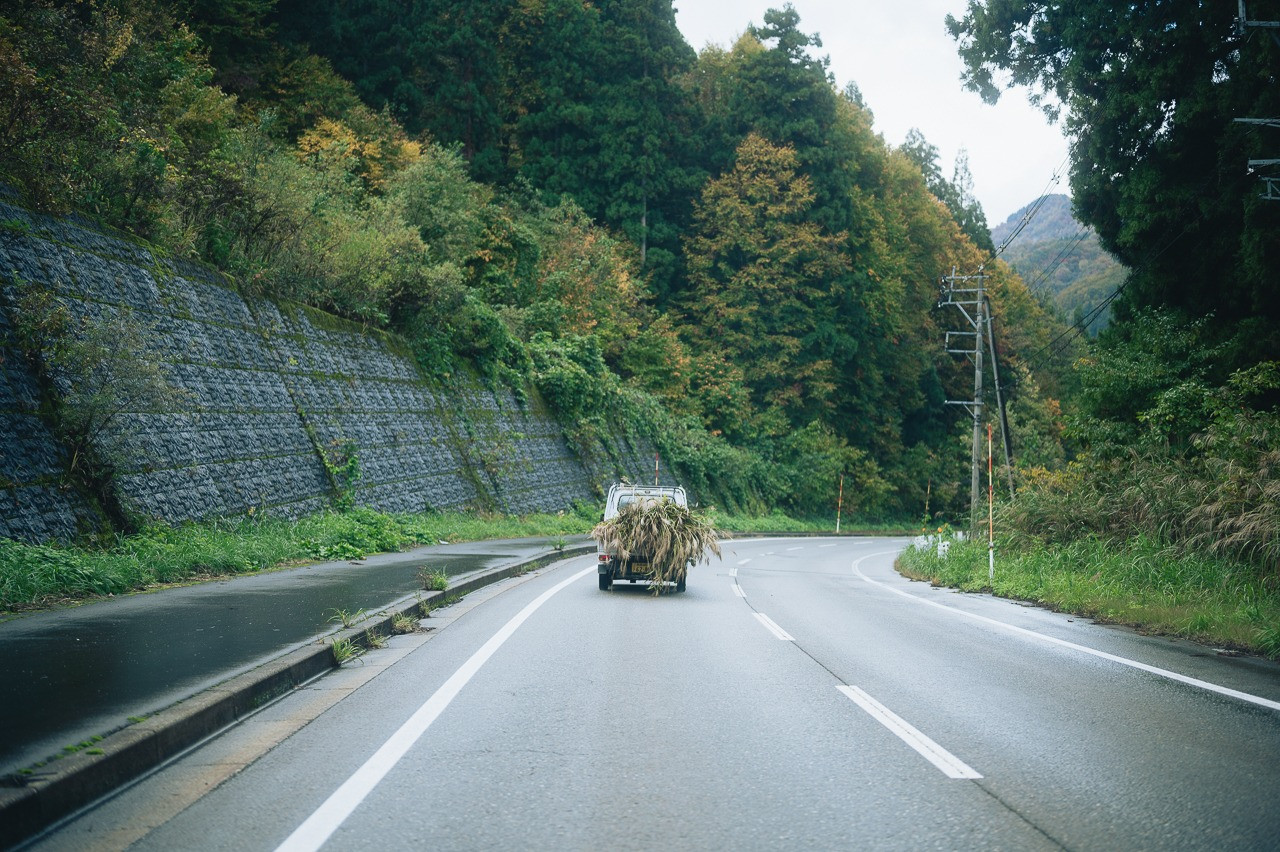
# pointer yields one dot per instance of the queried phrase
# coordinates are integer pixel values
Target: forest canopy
(716, 247)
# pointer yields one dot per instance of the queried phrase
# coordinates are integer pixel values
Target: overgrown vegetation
(96, 374)
(1211, 599)
(1169, 516)
(654, 245)
(713, 250)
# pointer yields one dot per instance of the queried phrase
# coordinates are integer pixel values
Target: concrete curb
(71, 783)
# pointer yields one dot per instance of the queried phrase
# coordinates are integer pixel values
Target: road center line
(320, 826)
(1124, 661)
(737, 590)
(801, 547)
(773, 627)
(951, 766)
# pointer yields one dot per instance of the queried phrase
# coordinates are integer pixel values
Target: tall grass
(33, 576)
(1140, 582)
(1221, 497)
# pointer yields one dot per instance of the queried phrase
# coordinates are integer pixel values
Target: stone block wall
(33, 505)
(269, 390)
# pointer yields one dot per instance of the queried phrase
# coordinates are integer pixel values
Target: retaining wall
(268, 390)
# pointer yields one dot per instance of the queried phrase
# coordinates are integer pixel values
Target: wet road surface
(70, 674)
(800, 695)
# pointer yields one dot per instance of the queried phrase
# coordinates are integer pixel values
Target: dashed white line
(733, 572)
(743, 561)
(1124, 661)
(826, 545)
(737, 590)
(951, 766)
(801, 547)
(773, 628)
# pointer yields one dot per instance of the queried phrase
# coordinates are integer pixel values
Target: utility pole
(1270, 183)
(968, 293)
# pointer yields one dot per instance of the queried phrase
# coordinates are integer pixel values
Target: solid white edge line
(1124, 661)
(773, 627)
(737, 590)
(951, 766)
(320, 826)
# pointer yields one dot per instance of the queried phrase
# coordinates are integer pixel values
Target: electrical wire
(1068, 336)
(1066, 252)
(1054, 180)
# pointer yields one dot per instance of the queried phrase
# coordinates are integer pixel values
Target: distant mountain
(1059, 256)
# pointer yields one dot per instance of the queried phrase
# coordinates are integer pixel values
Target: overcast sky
(905, 63)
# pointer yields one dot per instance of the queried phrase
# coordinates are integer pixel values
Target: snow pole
(991, 515)
(839, 503)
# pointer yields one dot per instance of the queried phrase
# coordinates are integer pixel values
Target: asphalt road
(799, 695)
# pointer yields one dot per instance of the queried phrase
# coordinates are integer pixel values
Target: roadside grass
(1209, 599)
(780, 522)
(40, 576)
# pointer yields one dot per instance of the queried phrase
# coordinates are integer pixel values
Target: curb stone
(31, 804)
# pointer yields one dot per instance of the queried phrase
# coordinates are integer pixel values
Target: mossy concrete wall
(269, 391)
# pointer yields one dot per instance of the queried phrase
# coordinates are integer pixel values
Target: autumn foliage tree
(759, 275)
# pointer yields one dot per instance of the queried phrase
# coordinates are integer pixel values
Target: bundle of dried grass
(661, 533)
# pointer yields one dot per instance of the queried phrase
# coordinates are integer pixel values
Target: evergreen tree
(1150, 92)
(956, 193)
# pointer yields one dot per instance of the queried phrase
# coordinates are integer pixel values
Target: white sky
(905, 63)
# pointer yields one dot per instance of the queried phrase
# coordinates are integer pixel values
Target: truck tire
(606, 582)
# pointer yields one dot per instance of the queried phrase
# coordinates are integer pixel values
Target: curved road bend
(800, 695)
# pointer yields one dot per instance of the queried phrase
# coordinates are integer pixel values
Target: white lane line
(801, 547)
(826, 545)
(737, 590)
(951, 766)
(773, 628)
(733, 572)
(743, 561)
(320, 826)
(1124, 661)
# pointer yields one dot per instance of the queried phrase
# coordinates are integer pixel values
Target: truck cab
(636, 567)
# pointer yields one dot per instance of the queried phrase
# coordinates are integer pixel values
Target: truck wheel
(606, 582)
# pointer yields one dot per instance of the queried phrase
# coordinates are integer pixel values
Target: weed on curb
(344, 650)
(346, 618)
(434, 580)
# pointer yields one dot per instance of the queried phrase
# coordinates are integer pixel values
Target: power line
(1069, 335)
(1054, 180)
(1066, 252)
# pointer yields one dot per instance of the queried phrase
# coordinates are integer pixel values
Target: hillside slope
(1058, 255)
